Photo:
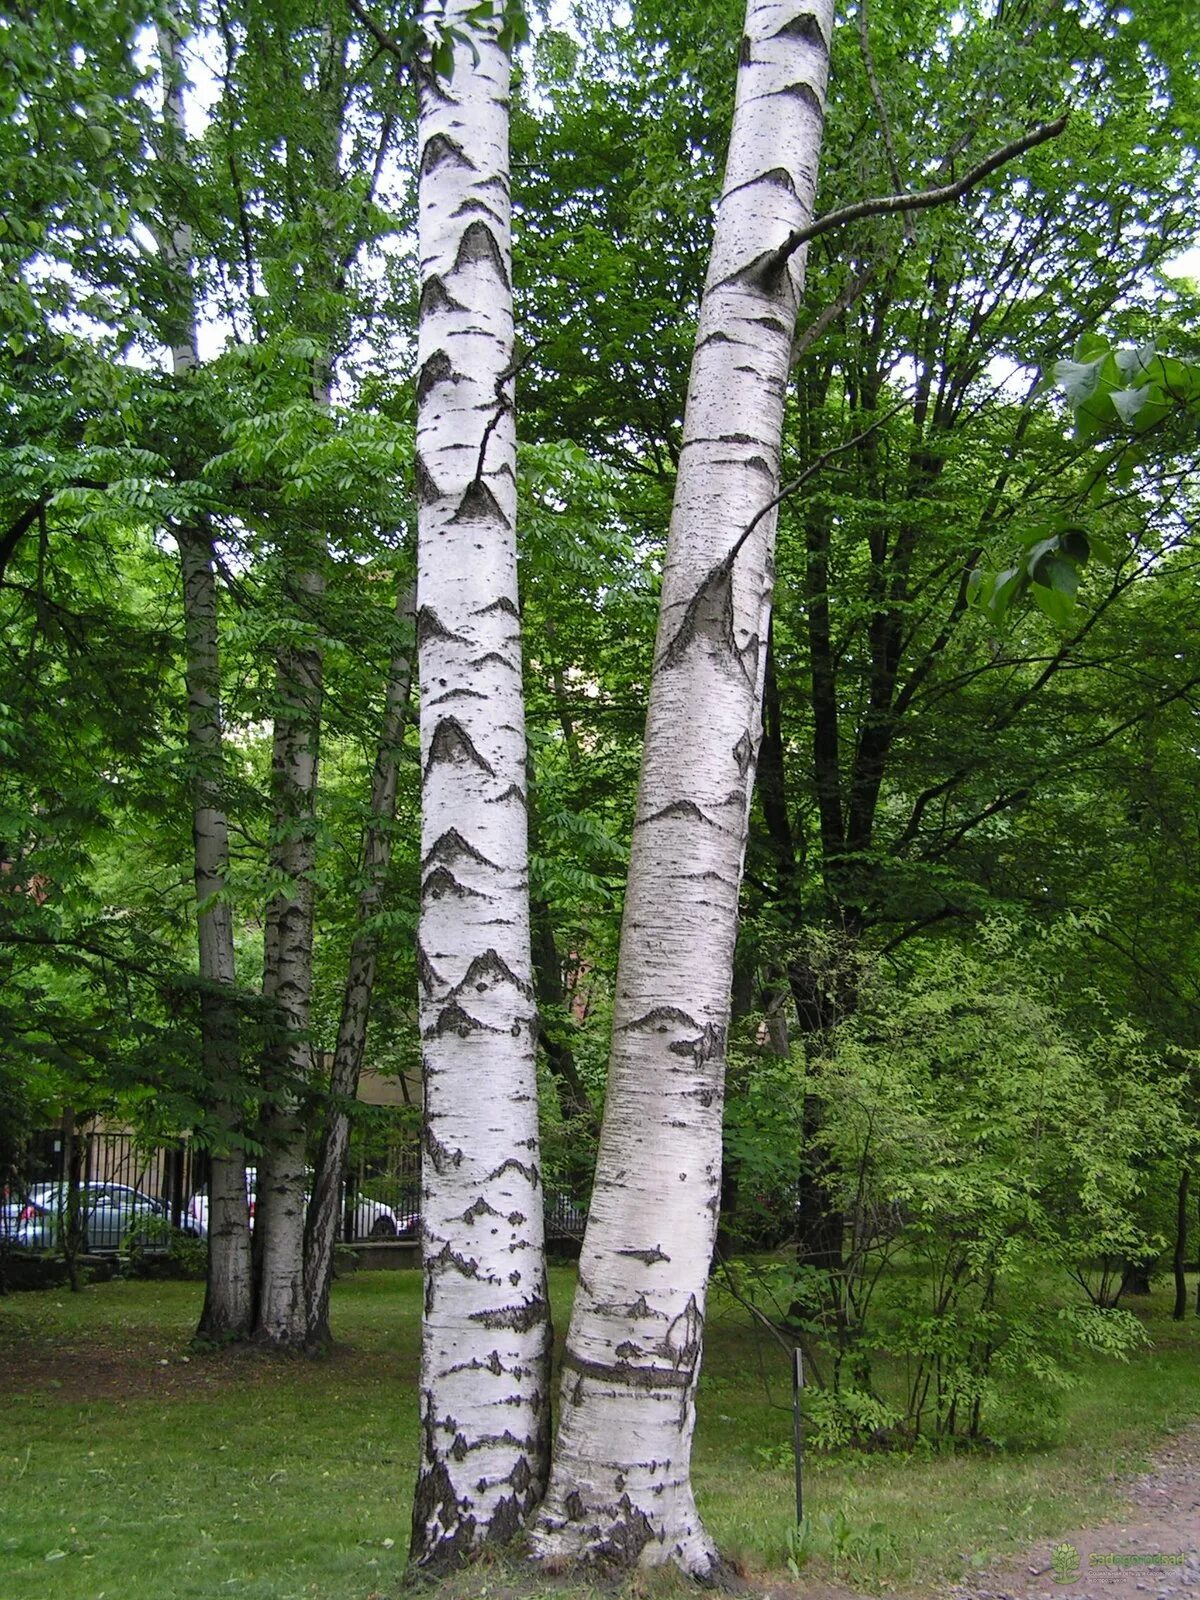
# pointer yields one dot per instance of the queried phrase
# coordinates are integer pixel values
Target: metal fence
(125, 1182)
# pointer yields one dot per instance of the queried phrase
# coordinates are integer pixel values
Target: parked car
(110, 1215)
(372, 1219)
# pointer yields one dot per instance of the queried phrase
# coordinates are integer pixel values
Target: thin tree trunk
(324, 1208)
(279, 1216)
(484, 1392)
(228, 1307)
(1181, 1235)
(621, 1485)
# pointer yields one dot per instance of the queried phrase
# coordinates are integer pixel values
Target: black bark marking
(520, 1318)
(804, 26)
(427, 490)
(431, 626)
(515, 1219)
(708, 877)
(659, 1019)
(745, 50)
(458, 694)
(451, 846)
(441, 1159)
(452, 742)
(805, 92)
(573, 1506)
(626, 1350)
(474, 205)
(466, 1266)
(491, 968)
(479, 1208)
(704, 1095)
(708, 615)
(709, 1044)
(436, 297)
(511, 1164)
(718, 336)
(492, 655)
(479, 504)
(504, 604)
(442, 1533)
(684, 1337)
(442, 882)
(623, 1374)
(678, 808)
(743, 753)
(439, 149)
(438, 369)
(427, 974)
(453, 1019)
(478, 243)
(770, 323)
(511, 793)
(648, 1258)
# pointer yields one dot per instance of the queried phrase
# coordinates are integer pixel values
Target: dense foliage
(966, 987)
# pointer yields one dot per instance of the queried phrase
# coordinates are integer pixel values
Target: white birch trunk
(324, 1210)
(228, 1304)
(279, 1216)
(620, 1487)
(484, 1398)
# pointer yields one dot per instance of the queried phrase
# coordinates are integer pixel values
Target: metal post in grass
(798, 1430)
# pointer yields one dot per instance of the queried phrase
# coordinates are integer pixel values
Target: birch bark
(228, 1307)
(324, 1212)
(484, 1400)
(620, 1487)
(280, 1318)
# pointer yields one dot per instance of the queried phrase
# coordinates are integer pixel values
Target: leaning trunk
(324, 1209)
(227, 1302)
(621, 1485)
(484, 1401)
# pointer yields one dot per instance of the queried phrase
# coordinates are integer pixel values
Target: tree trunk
(1180, 1260)
(484, 1396)
(228, 1306)
(621, 1487)
(324, 1209)
(279, 1215)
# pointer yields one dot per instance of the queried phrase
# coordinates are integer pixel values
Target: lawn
(136, 1468)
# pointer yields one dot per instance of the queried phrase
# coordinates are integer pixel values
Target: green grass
(135, 1468)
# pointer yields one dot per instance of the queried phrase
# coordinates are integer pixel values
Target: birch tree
(484, 1401)
(323, 1208)
(620, 1488)
(228, 1306)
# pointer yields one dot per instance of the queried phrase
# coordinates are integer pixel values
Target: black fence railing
(130, 1191)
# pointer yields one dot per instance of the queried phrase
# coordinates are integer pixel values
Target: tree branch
(921, 201)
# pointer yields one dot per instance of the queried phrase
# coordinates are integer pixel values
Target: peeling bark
(634, 1346)
(485, 1337)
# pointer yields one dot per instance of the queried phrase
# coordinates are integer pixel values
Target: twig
(888, 204)
(810, 471)
(383, 39)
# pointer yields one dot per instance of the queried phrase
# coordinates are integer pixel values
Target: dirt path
(1149, 1552)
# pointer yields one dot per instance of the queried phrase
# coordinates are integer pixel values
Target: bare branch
(923, 200)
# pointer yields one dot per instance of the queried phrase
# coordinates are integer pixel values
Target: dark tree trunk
(1181, 1233)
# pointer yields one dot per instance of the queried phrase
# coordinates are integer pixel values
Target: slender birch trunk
(324, 1209)
(484, 1397)
(620, 1488)
(280, 1318)
(227, 1302)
